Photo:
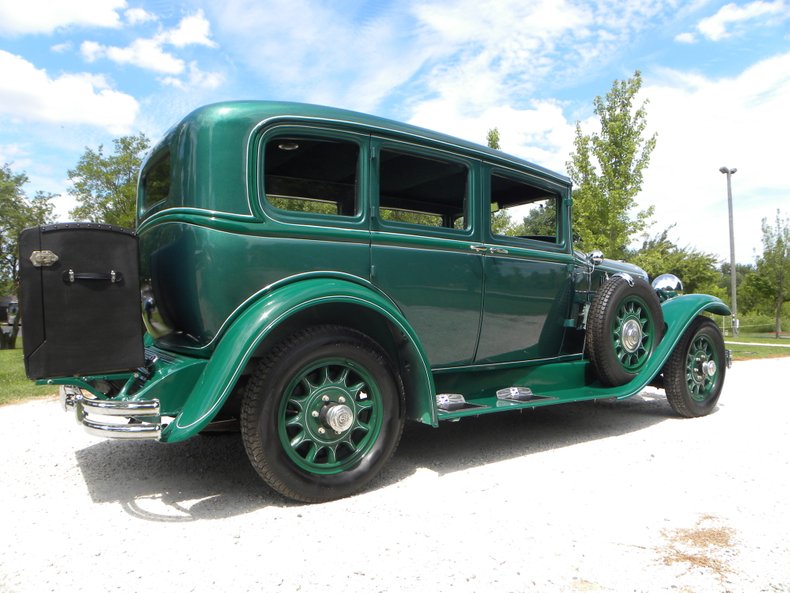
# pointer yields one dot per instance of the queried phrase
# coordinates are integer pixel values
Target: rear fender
(261, 318)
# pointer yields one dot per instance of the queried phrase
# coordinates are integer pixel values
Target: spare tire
(624, 325)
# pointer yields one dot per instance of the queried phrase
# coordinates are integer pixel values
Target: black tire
(694, 373)
(624, 325)
(286, 423)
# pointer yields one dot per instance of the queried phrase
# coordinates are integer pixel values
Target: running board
(497, 403)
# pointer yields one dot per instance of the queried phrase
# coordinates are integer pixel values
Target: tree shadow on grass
(209, 476)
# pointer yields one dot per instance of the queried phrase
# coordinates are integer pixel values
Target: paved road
(616, 496)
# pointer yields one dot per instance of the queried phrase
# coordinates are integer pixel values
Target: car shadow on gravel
(497, 437)
(209, 476)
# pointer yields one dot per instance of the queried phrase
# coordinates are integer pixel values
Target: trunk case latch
(44, 258)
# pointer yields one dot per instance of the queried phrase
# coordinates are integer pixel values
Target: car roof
(264, 111)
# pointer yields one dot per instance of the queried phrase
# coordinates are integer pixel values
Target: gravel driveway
(614, 496)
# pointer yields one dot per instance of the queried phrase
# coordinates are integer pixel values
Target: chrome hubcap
(632, 335)
(339, 417)
(702, 368)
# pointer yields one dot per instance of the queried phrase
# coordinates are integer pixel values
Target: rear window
(313, 175)
(156, 182)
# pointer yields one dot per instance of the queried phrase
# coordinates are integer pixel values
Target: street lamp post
(729, 173)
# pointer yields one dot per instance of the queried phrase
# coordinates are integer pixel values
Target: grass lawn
(14, 385)
(769, 346)
(759, 339)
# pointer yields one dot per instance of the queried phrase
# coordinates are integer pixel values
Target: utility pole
(729, 173)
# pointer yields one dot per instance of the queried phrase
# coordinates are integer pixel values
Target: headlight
(667, 286)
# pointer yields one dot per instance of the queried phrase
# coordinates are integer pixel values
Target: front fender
(246, 333)
(678, 312)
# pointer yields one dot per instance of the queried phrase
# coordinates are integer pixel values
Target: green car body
(237, 255)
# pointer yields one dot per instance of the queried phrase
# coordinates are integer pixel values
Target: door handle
(478, 248)
(498, 251)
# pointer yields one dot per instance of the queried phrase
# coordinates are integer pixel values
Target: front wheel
(694, 374)
(322, 414)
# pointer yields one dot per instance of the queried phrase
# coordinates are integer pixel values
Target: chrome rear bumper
(105, 418)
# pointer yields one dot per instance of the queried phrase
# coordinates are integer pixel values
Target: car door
(424, 249)
(527, 268)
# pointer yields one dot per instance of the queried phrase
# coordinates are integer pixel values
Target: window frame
(429, 152)
(561, 196)
(290, 130)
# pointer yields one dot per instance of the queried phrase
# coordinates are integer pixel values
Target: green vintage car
(320, 276)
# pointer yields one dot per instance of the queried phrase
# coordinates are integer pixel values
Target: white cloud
(149, 53)
(685, 38)
(195, 78)
(135, 16)
(28, 93)
(329, 57)
(91, 50)
(717, 26)
(497, 56)
(60, 48)
(483, 52)
(44, 16)
(704, 124)
(539, 132)
(15, 155)
(191, 30)
(503, 55)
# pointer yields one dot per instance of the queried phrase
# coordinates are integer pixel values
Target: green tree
(17, 212)
(541, 220)
(750, 289)
(607, 167)
(773, 266)
(106, 185)
(659, 255)
(492, 139)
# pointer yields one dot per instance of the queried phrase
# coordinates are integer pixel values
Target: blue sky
(716, 75)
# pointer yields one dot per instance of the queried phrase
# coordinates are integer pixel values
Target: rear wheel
(694, 373)
(322, 414)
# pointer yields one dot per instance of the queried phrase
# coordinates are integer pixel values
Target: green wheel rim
(302, 420)
(633, 333)
(702, 368)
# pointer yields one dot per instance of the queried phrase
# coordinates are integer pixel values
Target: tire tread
(675, 372)
(256, 389)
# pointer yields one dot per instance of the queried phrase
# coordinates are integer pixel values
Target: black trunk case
(80, 314)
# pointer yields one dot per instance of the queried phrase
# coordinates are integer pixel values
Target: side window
(156, 182)
(522, 210)
(416, 189)
(315, 175)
